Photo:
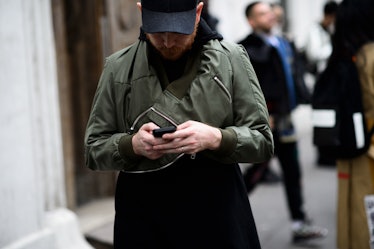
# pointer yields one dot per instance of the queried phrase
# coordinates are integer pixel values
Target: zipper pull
(131, 131)
(193, 156)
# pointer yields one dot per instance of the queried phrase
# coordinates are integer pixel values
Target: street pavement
(320, 195)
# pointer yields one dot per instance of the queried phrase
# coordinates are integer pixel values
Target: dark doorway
(86, 32)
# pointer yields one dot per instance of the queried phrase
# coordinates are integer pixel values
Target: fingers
(149, 127)
(183, 130)
(191, 137)
(142, 141)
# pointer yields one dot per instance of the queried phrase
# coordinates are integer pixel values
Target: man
(318, 49)
(318, 45)
(280, 23)
(183, 189)
(272, 58)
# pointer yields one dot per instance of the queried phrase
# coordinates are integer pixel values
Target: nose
(169, 40)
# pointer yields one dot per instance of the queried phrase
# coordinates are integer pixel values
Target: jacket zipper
(158, 169)
(137, 119)
(164, 116)
(132, 128)
(223, 87)
(193, 156)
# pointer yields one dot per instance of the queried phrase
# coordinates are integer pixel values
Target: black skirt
(195, 203)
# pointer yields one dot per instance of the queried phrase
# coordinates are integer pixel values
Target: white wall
(32, 192)
(302, 14)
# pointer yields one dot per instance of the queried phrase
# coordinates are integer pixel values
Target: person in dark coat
(273, 58)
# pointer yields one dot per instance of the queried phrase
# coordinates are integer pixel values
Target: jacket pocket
(223, 87)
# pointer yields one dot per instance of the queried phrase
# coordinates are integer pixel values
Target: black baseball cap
(169, 16)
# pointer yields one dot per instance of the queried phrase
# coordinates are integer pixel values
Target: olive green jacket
(218, 87)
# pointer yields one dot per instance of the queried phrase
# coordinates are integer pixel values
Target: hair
(353, 28)
(249, 8)
(330, 8)
(276, 4)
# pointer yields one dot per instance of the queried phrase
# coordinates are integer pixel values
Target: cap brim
(178, 22)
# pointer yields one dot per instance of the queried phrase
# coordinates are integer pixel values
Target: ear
(139, 5)
(199, 9)
(251, 23)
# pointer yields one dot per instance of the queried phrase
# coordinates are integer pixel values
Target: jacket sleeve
(103, 132)
(251, 118)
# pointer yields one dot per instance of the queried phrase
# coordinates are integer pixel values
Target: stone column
(32, 193)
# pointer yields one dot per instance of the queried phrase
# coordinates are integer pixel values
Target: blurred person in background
(318, 45)
(280, 20)
(182, 189)
(318, 49)
(354, 40)
(272, 57)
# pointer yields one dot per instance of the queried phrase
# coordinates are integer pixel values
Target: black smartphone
(161, 131)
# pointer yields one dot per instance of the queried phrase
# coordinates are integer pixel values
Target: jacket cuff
(228, 142)
(125, 148)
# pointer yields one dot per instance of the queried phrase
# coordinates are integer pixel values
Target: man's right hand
(143, 142)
